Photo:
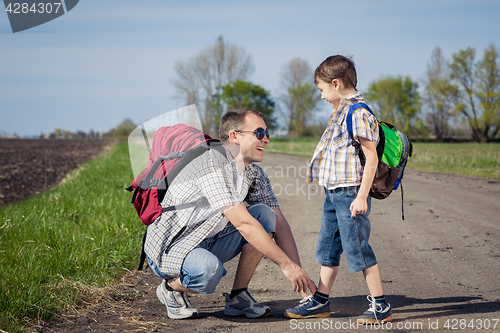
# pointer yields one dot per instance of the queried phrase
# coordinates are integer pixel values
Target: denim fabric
(202, 268)
(341, 233)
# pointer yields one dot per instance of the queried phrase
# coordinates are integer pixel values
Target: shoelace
(374, 307)
(305, 301)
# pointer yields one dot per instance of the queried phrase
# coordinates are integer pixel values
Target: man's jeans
(202, 268)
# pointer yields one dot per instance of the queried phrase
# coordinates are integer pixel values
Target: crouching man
(188, 247)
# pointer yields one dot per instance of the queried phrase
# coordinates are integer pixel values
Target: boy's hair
(337, 67)
(234, 120)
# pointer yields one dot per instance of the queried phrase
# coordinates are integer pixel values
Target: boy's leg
(327, 277)
(355, 233)
(328, 251)
(329, 245)
(372, 278)
(379, 310)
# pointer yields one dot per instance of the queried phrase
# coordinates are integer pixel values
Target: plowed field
(31, 166)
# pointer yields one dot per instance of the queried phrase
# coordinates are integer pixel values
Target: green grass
(83, 232)
(471, 159)
(299, 147)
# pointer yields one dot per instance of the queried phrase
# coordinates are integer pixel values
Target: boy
(345, 226)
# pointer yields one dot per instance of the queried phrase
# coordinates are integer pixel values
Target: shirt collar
(336, 113)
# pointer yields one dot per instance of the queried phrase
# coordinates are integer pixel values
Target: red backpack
(172, 149)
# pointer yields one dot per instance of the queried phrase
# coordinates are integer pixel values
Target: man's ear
(233, 138)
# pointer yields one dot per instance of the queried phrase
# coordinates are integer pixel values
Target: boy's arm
(359, 205)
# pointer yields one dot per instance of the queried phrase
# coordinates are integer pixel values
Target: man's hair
(337, 67)
(234, 120)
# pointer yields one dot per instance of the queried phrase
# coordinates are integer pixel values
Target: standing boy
(345, 226)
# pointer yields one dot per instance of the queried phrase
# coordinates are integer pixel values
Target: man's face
(252, 149)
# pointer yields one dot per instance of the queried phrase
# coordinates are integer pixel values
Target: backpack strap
(352, 108)
(143, 253)
(195, 152)
(155, 166)
(357, 144)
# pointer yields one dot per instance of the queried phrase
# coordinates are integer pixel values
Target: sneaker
(177, 303)
(376, 313)
(309, 307)
(245, 304)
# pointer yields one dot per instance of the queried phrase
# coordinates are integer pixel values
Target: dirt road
(440, 267)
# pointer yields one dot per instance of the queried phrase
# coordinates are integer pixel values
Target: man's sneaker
(376, 313)
(245, 304)
(309, 307)
(177, 303)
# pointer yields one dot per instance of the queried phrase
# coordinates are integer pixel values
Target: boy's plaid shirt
(335, 160)
(212, 176)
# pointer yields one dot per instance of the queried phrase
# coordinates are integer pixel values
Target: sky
(107, 60)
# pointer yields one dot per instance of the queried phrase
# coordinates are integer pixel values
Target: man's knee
(265, 215)
(202, 271)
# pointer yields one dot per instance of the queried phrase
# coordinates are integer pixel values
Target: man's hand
(299, 279)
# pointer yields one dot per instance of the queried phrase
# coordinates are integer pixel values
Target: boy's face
(330, 92)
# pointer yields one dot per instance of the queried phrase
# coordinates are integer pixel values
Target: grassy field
(460, 158)
(82, 233)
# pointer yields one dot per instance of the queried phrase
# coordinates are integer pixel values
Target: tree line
(460, 98)
(118, 133)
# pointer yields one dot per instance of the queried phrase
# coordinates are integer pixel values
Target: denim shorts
(341, 233)
(202, 268)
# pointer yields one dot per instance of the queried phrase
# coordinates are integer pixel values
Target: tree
(122, 131)
(479, 91)
(243, 94)
(200, 79)
(397, 101)
(440, 96)
(300, 97)
(488, 93)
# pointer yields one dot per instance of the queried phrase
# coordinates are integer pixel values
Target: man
(188, 247)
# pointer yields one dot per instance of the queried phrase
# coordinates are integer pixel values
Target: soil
(29, 166)
(439, 267)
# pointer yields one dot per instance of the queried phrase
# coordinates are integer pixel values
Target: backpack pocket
(384, 181)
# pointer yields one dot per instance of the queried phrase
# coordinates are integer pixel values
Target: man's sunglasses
(259, 133)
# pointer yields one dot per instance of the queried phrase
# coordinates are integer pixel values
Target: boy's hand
(358, 206)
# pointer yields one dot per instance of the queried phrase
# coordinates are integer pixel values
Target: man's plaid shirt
(335, 160)
(212, 176)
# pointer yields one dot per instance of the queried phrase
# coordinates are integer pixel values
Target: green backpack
(393, 151)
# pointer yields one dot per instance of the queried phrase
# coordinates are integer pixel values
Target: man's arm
(255, 234)
(284, 239)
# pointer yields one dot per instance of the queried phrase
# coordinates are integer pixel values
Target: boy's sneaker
(309, 307)
(376, 313)
(177, 303)
(245, 304)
